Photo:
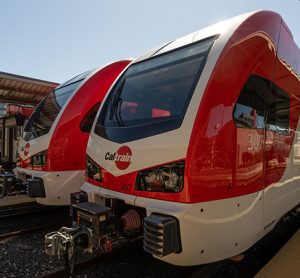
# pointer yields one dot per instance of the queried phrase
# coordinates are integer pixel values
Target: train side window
(279, 111)
(249, 111)
(88, 119)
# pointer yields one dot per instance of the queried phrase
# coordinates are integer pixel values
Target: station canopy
(23, 90)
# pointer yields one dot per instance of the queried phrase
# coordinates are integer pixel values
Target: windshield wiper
(39, 126)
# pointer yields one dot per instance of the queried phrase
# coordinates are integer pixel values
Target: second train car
(52, 149)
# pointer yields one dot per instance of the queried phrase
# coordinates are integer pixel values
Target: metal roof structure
(23, 90)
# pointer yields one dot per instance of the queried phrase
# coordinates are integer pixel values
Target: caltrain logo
(25, 149)
(122, 157)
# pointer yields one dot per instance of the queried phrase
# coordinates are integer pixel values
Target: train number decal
(255, 142)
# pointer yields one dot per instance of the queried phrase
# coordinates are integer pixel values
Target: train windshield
(46, 112)
(152, 96)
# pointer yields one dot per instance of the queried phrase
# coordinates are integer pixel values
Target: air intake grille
(161, 235)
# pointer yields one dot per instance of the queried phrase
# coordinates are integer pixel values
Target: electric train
(196, 146)
(52, 149)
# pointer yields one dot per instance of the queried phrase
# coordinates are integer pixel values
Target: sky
(55, 40)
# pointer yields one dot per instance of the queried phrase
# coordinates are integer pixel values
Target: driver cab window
(257, 95)
(249, 111)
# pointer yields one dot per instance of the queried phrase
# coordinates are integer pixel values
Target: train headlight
(92, 169)
(165, 178)
(39, 159)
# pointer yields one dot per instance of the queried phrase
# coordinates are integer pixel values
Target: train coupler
(90, 232)
(63, 243)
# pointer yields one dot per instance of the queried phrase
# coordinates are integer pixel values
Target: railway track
(33, 219)
(132, 261)
(30, 230)
(16, 210)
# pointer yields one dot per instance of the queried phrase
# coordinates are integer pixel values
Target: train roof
(223, 27)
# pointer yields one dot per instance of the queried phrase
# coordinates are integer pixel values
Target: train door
(249, 116)
(11, 136)
(282, 190)
(278, 144)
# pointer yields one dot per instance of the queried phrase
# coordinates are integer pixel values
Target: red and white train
(197, 144)
(52, 150)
